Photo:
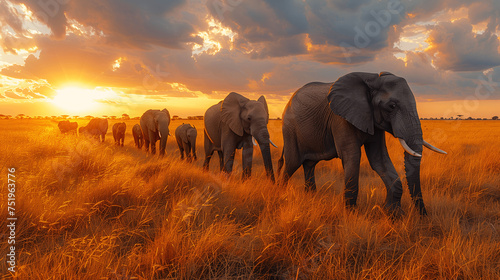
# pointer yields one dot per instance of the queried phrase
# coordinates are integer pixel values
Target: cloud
(125, 23)
(10, 17)
(11, 94)
(454, 46)
(268, 46)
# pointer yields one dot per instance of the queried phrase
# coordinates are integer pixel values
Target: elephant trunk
(193, 148)
(262, 137)
(412, 169)
(265, 149)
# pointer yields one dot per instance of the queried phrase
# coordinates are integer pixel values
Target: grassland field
(89, 210)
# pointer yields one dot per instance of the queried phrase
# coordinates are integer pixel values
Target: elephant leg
(152, 141)
(247, 156)
(289, 168)
(146, 142)
(350, 163)
(181, 149)
(187, 150)
(208, 151)
(221, 160)
(310, 180)
(380, 162)
(229, 150)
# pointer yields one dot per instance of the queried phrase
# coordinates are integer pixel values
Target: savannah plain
(89, 210)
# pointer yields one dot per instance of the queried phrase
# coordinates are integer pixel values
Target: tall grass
(90, 210)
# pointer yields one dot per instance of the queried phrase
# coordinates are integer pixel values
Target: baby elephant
(67, 127)
(185, 135)
(138, 137)
(119, 133)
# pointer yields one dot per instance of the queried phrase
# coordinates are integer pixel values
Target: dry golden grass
(95, 211)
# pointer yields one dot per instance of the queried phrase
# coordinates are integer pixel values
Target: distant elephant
(154, 124)
(67, 127)
(328, 120)
(138, 137)
(96, 127)
(185, 135)
(230, 125)
(119, 133)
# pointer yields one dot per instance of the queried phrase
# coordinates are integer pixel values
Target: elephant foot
(310, 188)
(394, 210)
(419, 204)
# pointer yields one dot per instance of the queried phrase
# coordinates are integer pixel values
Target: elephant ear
(350, 97)
(231, 109)
(166, 112)
(262, 100)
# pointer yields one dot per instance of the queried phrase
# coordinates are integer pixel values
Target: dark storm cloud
(269, 25)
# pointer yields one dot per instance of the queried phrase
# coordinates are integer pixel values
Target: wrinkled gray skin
(154, 125)
(67, 127)
(185, 135)
(138, 137)
(230, 125)
(328, 120)
(96, 127)
(119, 133)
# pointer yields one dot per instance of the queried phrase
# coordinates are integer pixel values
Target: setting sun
(75, 99)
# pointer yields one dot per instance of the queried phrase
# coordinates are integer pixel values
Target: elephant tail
(281, 161)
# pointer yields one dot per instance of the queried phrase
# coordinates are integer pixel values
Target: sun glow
(75, 99)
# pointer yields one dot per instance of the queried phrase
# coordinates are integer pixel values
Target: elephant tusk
(253, 141)
(432, 148)
(270, 141)
(408, 149)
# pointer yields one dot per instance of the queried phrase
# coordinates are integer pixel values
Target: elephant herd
(321, 121)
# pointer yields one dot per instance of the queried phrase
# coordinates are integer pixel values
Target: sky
(111, 57)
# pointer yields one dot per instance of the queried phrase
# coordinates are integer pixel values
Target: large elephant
(230, 125)
(119, 133)
(67, 127)
(138, 137)
(154, 124)
(328, 120)
(96, 127)
(185, 135)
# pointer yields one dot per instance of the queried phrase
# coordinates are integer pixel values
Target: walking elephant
(154, 125)
(328, 120)
(119, 133)
(96, 127)
(67, 127)
(230, 125)
(185, 135)
(138, 137)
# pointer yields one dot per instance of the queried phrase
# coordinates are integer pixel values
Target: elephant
(96, 127)
(333, 120)
(138, 137)
(235, 123)
(154, 125)
(119, 133)
(185, 135)
(67, 127)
